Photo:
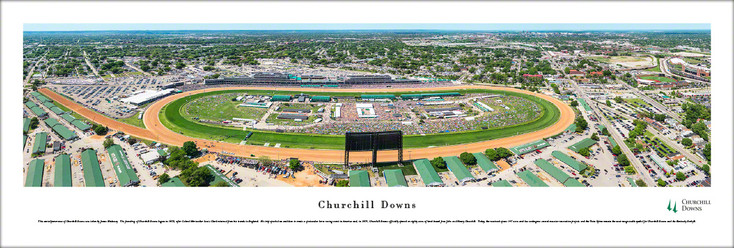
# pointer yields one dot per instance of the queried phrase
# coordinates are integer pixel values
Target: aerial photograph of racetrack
(367, 108)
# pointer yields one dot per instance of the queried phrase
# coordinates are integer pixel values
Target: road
(634, 161)
(657, 104)
(30, 73)
(136, 68)
(157, 132)
(90, 65)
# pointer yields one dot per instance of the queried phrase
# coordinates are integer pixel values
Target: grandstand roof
(427, 172)
(394, 178)
(68, 117)
(64, 132)
(531, 179)
(34, 177)
(385, 96)
(145, 96)
(501, 183)
(576, 165)
(529, 147)
(173, 182)
(484, 162)
(62, 171)
(39, 145)
(81, 125)
(458, 168)
(411, 96)
(359, 178)
(218, 176)
(26, 124)
(92, 172)
(556, 173)
(122, 167)
(587, 142)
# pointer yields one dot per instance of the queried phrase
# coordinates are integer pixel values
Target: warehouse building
(39, 145)
(125, 173)
(34, 177)
(92, 172)
(62, 171)
(146, 96)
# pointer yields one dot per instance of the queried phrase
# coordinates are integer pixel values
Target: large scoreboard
(373, 141)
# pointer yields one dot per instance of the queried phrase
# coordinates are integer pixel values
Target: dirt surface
(159, 133)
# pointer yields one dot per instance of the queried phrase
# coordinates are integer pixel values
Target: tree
(163, 178)
(686, 142)
(640, 183)
(660, 117)
(618, 99)
(100, 130)
(196, 176)
(607, 73)
(438, 162)
(189, 147)
(581, 124)
(108, 142)
(680, 176)
(131, 141)
(468, 158)
(584, 152)
(567, 70)
(661, 183)
(503, 152)
(705, 168)
(208, 68)
(595, 137)
(622, 160)
(34, 123)
(629, 170)
(342, 183)
(180, 65)
(574, 103)
(491, 154)
(220, 184)
(609, 103)
(605, 131)
(707, 151)
(294, 164)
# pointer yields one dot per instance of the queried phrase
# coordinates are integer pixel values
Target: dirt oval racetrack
(157, 132)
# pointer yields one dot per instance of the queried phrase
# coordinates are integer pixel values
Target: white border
(23, 206)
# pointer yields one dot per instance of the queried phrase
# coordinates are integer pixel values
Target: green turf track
(172, 118)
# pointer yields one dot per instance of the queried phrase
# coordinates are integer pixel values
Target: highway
(657, 104)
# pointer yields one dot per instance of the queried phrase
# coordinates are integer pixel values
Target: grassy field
(661, 79)
(171, 117)
(133, 120)
(220, 108)
(657, 68)
(637, 102)
(408, 169)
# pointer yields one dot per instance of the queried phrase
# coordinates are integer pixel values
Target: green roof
(576, 165)
(62, 171)
(612, 142)
(173, 182)
(394, 178)
(92, 172)
(38, 111)
(49, 105)
(571, 182)
(68, 118)
(600, 127)
(571, 128)
(122, 167)
(556, 173)
(39, 145)
(428, 174)
(529, 147)
(587, 142)
(359, 178)
(320, 98)
(385, 96)
(632, 182)
(64, 132)
(34, 177)
(583, 103)
(162, 152)
(281, 98)
(56, 110)
(501, 183)
(51, 122)
(484, 162)
(531, 179)
(39, 96)
(218, 176)
(81, 125)
(457, 167)
(30, 104)
(26, 124)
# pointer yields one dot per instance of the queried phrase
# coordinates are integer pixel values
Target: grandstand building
(309, 80)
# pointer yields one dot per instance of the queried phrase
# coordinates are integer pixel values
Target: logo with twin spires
(675, 207)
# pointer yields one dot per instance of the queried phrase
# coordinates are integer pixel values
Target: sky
(365, 26)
